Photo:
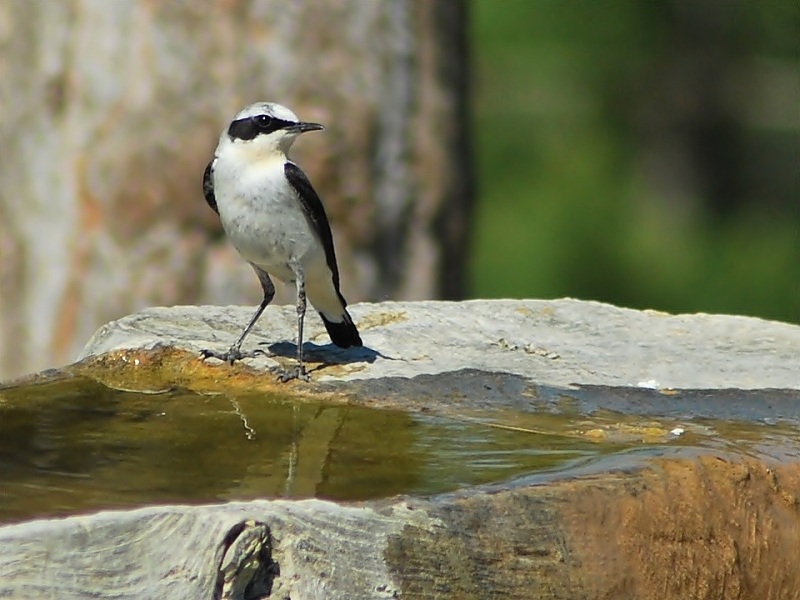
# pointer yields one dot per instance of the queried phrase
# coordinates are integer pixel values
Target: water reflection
(74, 445)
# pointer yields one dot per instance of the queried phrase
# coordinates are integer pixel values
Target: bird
(275, 219)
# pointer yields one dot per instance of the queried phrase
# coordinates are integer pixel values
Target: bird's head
(265, 128)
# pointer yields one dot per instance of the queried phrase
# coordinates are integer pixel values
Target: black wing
(208, 186)
(316, 214)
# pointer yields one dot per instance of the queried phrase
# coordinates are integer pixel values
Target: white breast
(263, 217)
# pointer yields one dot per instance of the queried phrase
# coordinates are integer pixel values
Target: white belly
(264, 220)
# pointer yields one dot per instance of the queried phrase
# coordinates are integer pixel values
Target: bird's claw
(298, 373)
(234, 354)
(231, 356)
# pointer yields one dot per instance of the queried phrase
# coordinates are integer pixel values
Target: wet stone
(480, 450)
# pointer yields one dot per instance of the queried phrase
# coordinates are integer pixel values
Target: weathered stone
(710, 525)
(558, 342)
(682, 529)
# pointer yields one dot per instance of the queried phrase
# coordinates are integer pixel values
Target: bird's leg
(300, 372)
(235, 353)
(301, 314)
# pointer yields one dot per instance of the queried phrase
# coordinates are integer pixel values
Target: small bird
(275, 219)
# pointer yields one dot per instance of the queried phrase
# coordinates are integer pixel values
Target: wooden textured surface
(704, 528)
(111, 110)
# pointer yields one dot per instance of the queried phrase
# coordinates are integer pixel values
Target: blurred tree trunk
(110, 111)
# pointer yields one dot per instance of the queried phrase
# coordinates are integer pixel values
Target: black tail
(343, 334)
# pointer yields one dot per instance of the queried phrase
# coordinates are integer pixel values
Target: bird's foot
(298, 372)
(231, 356)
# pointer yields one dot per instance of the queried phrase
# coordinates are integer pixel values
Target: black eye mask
(250, 127)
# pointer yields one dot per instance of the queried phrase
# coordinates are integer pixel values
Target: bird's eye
(263, 121)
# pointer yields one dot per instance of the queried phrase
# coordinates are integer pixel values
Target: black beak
(303, 127)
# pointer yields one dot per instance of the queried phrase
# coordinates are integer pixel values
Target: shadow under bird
(274, 218)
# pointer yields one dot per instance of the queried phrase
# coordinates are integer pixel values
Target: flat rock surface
(557, 343)
(682, 529)
(720, 520)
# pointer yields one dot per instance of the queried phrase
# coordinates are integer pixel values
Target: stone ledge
(726, 525)
(730, 529)
(557, 343)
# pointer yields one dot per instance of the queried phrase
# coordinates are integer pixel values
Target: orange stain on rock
(704, 528)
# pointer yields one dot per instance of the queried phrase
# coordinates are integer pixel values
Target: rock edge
(551, 342)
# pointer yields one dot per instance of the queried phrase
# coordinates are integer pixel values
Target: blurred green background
(639, 153)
